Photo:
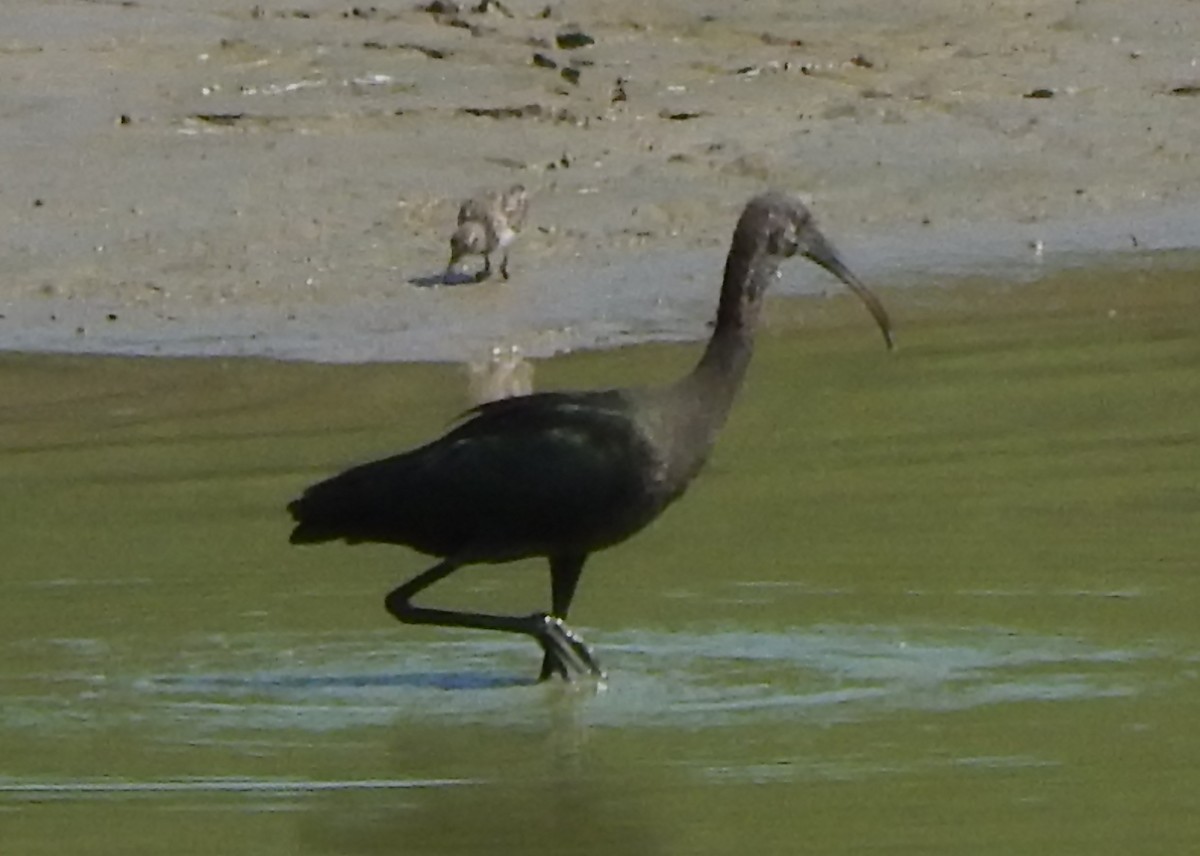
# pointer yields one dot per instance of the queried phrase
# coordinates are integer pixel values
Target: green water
(940, 601)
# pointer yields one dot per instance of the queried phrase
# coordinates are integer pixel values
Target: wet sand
(220, 177)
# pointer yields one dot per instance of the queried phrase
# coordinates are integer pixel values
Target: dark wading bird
(563, 474)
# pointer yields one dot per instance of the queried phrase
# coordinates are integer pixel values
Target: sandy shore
(280, 178)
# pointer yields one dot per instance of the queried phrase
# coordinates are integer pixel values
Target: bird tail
(313, 525)
(307, 530)
(341, 507)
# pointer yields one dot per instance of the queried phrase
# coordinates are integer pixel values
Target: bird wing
(529, 475)
(478, 207)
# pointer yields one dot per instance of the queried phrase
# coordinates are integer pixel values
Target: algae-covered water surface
(937, 601)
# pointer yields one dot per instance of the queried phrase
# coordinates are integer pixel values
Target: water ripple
(658, 679)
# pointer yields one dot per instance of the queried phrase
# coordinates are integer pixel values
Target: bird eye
(782, 242)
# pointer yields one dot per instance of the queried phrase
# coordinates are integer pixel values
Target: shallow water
(937, 601)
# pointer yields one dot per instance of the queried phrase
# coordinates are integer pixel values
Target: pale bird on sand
(487, 223)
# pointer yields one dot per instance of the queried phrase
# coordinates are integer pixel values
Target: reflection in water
(547, 789)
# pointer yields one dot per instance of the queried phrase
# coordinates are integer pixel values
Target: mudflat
(281, 178)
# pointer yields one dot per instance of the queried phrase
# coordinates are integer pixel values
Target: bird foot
(566, 653)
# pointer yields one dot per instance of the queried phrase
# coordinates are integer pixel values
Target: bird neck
(693, 410)
(705, 396)
(748, 270)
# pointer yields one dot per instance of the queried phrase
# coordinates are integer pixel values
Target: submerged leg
(549, 631)
(564, 576)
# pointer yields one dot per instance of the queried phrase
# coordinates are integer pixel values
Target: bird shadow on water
(334, 686)
(267, 683)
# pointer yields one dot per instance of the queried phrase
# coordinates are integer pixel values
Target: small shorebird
(486, 223)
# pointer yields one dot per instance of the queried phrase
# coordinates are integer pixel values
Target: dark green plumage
(519, 477)
(563, 474)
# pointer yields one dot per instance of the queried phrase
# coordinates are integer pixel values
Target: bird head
(789, 229)
(518, 194)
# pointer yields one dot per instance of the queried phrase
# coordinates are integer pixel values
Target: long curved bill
(819, 250)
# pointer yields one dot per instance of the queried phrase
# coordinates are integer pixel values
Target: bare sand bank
(212, 176)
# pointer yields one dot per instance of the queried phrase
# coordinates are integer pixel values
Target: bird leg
(566, 653)
(487, 268)
(559, 642)
(504, 265)
(564, 576)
